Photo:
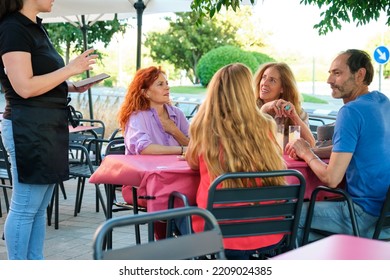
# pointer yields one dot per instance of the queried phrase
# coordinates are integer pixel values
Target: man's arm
(323, 152)
(330, 174)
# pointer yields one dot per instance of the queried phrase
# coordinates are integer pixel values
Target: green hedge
(215, 59)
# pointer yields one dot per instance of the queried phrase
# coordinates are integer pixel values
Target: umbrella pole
(85, 41)
(140, 7)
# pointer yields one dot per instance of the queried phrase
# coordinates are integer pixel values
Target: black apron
(41, 138)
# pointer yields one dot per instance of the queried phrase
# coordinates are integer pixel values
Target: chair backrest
(83, 167)
(341, 194)
(180, 247)
(100, 126)
(116, 147)
(384, 218)
(262, 210)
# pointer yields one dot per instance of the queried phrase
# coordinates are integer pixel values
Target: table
(340, 247)
(158, 174)
(162, 174)
(83, 128)
(312, 180)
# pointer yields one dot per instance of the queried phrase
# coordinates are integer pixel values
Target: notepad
(91, 80)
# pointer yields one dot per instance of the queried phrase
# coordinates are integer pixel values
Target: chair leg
(77, 200)
(135, 212)
(50, 210)
(1, 210)
(101, 199)
(97, 200)
(6, 199)
(80, 202)
(63, 190)
(56, 205)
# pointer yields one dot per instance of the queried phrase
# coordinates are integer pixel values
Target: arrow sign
(381, 55)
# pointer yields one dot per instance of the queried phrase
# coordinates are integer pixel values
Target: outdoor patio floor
(73, 239)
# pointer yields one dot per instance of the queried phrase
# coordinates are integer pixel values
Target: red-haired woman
(150, 123)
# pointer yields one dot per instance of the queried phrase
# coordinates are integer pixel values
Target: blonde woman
(230, 134)
(277, 95)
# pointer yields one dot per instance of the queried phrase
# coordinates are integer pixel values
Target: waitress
(35, 125)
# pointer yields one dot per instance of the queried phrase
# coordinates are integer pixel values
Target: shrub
(262, 58)
(215, 59)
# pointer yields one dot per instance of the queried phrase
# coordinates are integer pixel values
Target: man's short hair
(360, 59)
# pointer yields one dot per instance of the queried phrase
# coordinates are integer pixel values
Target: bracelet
(312, 159)
(182, 149)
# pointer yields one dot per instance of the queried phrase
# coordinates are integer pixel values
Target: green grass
(202, 90)
(188, 89)
(312, 99)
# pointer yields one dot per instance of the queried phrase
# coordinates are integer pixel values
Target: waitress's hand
(73, 88)
(82, 63)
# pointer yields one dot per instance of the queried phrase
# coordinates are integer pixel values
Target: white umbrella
(85, 13)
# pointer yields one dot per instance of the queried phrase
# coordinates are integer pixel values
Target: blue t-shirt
(363, 129)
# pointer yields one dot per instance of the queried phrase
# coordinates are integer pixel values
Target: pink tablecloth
(340, 247)
(312, 180)
(159, 175)
(81, 128)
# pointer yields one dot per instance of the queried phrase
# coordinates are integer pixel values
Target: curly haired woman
(151, 125)
(277, 95)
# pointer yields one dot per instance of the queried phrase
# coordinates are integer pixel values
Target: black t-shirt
(19, 33)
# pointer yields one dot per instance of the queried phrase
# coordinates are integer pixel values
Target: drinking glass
(294, 132)
(280, 135)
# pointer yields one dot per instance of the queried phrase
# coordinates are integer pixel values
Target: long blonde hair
(230, 131)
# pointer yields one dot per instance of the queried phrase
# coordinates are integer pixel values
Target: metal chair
(190, 246)
(5, 176)
(82, 170)
(117, 146)
(341, 194)
(382, 223)
(384, 218)
(258, 210)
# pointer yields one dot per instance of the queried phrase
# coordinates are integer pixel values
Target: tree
(184, 42)
(69, 37)
(336, 11)
(361, 12)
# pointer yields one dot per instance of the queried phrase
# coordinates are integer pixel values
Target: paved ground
(73, 239)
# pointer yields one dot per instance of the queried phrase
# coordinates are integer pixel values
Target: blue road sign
(381, 55)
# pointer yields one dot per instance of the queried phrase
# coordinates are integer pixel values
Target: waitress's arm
(20, 73)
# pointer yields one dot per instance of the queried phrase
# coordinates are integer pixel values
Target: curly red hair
(135, 99)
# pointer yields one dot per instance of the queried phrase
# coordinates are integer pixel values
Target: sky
(292, 26)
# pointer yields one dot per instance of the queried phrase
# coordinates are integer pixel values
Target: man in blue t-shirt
(361, 149)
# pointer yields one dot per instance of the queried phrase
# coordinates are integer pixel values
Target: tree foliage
(335, 11)
(184, 43)
(211, 7)
(68, 38)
